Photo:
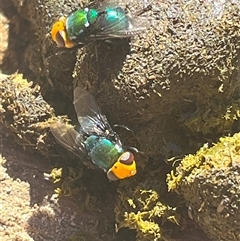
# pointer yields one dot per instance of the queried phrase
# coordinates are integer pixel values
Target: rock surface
(174, 85)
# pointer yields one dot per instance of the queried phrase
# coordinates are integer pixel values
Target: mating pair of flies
(96, 141)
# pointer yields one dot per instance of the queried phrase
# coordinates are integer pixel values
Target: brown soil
(29, 207)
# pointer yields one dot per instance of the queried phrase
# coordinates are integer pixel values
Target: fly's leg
(134, 149)
(143, 10)
(130, 148)
(124, 127)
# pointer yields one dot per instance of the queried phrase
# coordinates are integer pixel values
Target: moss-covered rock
(180, 73)
(24, 111)
(209, 182)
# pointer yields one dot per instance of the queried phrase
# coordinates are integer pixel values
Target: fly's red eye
(127, 158)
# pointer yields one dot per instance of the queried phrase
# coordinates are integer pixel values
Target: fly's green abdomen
(115, 16)
(79, 20)
(102, 151)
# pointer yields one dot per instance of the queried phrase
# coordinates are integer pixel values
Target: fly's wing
(120, 29)
(89, 114)
(71, 140)
(126, 26)
(67, 136)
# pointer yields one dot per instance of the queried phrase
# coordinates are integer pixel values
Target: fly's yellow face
(59, 34)
(124, 167)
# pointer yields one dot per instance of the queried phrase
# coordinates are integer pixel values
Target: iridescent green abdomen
(115, 16)
(79, 20)
(102, 151)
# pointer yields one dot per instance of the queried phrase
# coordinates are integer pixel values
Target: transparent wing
(126, 26)
(89, 114)
(71, 140)
(120, 30)
(68, 137)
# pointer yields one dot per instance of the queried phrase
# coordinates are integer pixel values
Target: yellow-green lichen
(144, 211)
(55, 175)
(209, 181)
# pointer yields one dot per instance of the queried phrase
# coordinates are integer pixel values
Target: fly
(96, 140)
(97, 21)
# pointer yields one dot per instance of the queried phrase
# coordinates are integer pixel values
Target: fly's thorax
(79, 21)
(90, 142)
(92, 15)
(103, 152)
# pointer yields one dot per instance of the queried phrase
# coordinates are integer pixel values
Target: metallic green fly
(97, 21)
(95, 141)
